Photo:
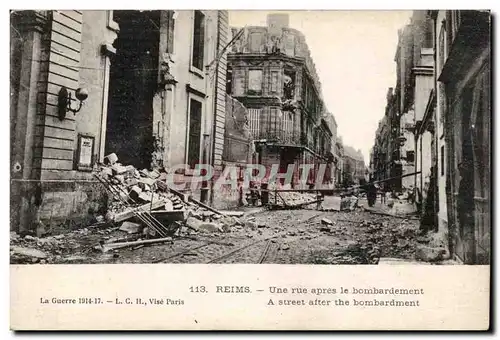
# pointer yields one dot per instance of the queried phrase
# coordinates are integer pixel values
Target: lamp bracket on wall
(65, 98)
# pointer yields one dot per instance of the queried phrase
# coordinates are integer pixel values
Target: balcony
(275, 127)
(282, 136)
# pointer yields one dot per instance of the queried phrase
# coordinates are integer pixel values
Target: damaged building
(148, 86)
(440, 114)
(270, 71)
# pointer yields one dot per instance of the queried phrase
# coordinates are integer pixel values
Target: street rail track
(267, 248)
(216, 246)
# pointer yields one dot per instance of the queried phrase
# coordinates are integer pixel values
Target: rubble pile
(132, 188)
(145, 205)
(61, 248)
(394, 241)
(349, 203)
(291, 198)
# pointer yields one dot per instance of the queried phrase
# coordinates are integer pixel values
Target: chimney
(276, 22)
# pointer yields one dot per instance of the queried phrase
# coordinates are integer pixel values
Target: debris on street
(288, 199)
(148, 222)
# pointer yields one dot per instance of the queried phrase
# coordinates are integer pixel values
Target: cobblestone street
(263, 236)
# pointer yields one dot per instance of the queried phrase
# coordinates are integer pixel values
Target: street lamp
(64, 101)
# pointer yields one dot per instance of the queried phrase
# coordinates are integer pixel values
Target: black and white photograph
(219, 136)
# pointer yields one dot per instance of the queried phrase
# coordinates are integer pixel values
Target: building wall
(466, 76)
(74, 49)
(220, 89)
(441, 54)
(57, 193)
(186, 74)
(273, 117)
(424, 83)
(424, 161)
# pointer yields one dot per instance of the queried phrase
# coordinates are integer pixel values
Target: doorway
(132, 86)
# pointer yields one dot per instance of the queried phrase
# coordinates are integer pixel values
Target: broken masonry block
(251, 225)
(169, 206)
(118, 169)
(131, 212)
(210, 227)
(130, 227)
(130, 170)
(146, 197)
(326, 221)
(146, 181)
(161, 185)
(130, 182)
(193, 223)
(109, 216)
(120, 178)
(110, 159)
(106, 173)
(208, 214)
(154, 174)
(135, 191)
(429, 254)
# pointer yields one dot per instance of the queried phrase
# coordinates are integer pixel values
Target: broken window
(198, 40)
(289, 85)
(255, 82)
(410, 156)
(229, 80)
(195, 109)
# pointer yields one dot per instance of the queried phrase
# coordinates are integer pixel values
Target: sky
(354, 56)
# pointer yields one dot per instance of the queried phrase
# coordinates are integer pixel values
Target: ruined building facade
(444, 91)
(154, 85)
(463, 116)
(271, 73)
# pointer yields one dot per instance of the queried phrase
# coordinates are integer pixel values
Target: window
(171, 30)
(198, 40)
(274, 81)
(254, 122)
(255, 41)
(195, 109)
(442, 160)
(429, 34)
(410, 156)
(289, 84)
(229, 80)
(255, 82)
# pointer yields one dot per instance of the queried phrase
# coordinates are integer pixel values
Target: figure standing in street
(371, 193)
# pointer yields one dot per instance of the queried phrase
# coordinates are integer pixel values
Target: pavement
(303, 236)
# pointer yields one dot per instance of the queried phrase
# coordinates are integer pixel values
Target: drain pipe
(206, 140)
